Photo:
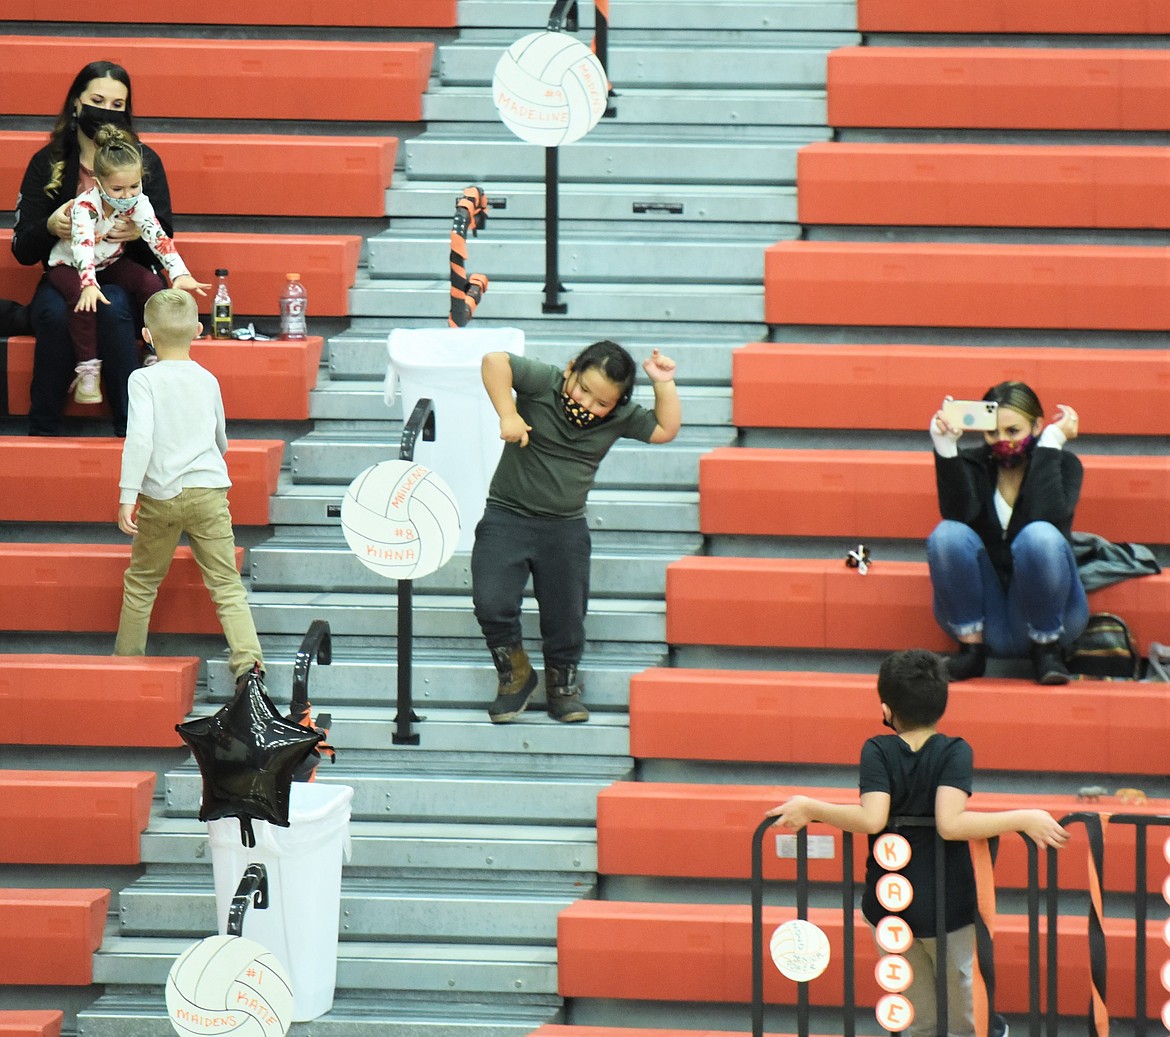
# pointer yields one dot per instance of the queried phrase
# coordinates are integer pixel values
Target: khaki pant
(922, 956)
(202, 513)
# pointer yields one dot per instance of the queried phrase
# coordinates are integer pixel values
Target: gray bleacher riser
(646, 106)
(290, 562)
(469, 910)
(443, 616)
(794, 61)
(412, 847)
(681, 14)
(327, 457)
(345, 401)
(703, 354)
(492, 155)
(367, 965)
(369, 677)
(364, 1012)
(504, 781)
(680, 254)
(612, 304)
(646, 206)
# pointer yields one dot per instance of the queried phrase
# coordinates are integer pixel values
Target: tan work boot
(517, 682)
(563, 692)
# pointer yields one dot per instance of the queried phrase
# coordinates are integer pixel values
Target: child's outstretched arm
(867, 817)
(667, 408)
(955, 821)
(496, 371)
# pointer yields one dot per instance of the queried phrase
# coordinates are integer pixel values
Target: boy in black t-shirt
(919, 772)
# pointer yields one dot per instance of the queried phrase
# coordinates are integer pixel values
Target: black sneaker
(1048, 663)
(969, 661)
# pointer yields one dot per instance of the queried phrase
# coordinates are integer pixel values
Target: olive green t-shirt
(552, 476)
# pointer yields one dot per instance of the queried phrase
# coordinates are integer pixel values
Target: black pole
(552, 272)
(758, 926)
(849, 1027)
(802, 1021)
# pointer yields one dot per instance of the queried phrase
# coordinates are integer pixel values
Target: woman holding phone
(1001, 562)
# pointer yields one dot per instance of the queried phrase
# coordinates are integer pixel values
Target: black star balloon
(247, 754)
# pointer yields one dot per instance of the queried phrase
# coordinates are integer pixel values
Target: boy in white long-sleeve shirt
(174, 480)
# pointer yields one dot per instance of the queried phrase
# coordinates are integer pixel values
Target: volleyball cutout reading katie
(549, 89)
(400, 519)
(229, 985)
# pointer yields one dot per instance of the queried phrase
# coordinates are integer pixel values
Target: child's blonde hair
(115, 149)
(171, 317)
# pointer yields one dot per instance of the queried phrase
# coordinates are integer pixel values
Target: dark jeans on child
(555, 551)
(136, 280)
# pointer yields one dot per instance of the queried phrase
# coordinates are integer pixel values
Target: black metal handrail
(252, 891)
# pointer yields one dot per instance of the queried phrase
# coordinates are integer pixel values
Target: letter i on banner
(893, 972)
(1165, 973)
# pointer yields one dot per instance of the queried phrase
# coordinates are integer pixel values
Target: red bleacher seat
(398, 14)
(798, 385)
(1118, 17)
(258, 380)
(234, 175)
(302, 80)
(999, 88)
(779, 717)
(953, 284)
(57, 929)
(74, 817)
(702, 953)
(76, 479)
(807, 603)
(31, 1022)
(258, 263)
(863, 494)
(699, 831)
(983, 185)
(78, 587)
(98, 700)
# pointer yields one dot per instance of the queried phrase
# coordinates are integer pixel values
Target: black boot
(517, 682)
(563, 692)
(1048, 663)
(969, 661)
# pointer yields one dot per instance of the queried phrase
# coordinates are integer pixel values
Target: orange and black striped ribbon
(1098, 1011)
(983, 986)
(466, 292)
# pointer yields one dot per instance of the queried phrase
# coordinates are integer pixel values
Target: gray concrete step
(732, 156)
(324, 562)
(676, 253)
(600, 203)
(754, 15)
(136, 1013)
(647, 106)
(441, 616)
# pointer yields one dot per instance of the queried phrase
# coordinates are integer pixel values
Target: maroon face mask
(1011, 455)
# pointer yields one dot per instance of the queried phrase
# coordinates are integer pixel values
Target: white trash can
(442, 365)
(300, 924)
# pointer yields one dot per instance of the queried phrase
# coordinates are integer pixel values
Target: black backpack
(1106, 650)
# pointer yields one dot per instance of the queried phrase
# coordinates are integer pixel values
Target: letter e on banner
(891, 851)
(894, 1012)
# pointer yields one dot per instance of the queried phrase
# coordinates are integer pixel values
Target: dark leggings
(139, 282)
(53, 361)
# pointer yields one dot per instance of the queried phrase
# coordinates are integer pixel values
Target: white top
(175, 432)
(89, 250)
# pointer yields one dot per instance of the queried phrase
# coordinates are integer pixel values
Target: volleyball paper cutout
(400, 519)
(229, 985)
(800, 950)
(549, 89)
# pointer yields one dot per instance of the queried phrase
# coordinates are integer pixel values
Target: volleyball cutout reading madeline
(229, 985)
(400, 519)
(549, 89)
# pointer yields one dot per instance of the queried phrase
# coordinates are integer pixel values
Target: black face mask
(93, 119)
(577, 414)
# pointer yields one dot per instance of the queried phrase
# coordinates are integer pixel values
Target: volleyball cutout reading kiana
(800, 950)
(229, 985)
(549, 89)
(400, 519)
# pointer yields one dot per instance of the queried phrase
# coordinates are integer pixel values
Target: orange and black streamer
(466, 292)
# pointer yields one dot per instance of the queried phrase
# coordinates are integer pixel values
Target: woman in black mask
(55, 176)
(1001, 562)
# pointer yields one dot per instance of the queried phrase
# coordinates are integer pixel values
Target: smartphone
(971, 415)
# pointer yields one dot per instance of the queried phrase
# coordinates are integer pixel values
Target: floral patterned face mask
(1011, 455)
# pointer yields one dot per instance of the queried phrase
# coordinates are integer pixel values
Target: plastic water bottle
(293, 303)
(221, 307)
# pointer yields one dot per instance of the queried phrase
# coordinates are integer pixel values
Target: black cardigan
(1049, 493)
(31, 239)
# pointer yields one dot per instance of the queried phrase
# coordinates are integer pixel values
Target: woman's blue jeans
(1045, 600)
